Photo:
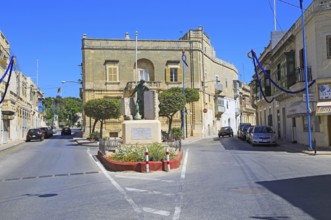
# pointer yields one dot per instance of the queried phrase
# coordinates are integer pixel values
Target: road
(218, 179)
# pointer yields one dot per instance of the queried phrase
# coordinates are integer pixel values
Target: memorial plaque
(141, 134)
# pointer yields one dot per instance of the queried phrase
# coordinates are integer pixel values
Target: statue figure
(140, 89)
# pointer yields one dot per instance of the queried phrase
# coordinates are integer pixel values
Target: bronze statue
(140, 89)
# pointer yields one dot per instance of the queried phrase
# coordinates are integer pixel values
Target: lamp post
(306, 73)
(79, 81)
(137, 76)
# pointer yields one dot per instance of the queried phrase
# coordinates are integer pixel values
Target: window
(302, 60)
(143, 74)
(328, 46)
(278, 72)
(173, 74)
(314, 123)
(112, 71)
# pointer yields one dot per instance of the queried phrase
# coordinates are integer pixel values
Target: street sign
(311, 97)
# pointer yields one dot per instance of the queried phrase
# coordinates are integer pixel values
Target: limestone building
(283, 60)
(112, 67)
(19, 110)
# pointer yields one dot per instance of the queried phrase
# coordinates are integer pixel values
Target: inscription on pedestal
(141, 134)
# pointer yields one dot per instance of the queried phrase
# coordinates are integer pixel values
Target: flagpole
(306, 73)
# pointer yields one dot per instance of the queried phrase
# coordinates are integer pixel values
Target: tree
(171, 101)
(102, 109)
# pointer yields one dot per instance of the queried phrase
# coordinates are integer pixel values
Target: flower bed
(113, 165)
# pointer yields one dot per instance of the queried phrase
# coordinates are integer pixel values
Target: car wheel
(27, 140)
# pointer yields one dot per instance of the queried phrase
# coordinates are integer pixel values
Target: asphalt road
(218, 179)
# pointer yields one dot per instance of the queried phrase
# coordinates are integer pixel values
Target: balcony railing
(298, 76)
(153, 85)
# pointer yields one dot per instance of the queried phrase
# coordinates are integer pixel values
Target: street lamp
(79, 81)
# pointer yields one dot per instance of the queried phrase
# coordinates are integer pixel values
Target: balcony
(218, 88)
(298, 76)
(153, 85)
(8, 108)
(219, 105)
(237, 112)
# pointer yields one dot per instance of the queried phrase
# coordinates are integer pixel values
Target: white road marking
(156, 211)
(180, 199)
(117, 186)
(148, 191)
(143, 178)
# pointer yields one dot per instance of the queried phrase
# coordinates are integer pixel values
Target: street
(218, 179)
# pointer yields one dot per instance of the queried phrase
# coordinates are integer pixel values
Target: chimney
(127, 37)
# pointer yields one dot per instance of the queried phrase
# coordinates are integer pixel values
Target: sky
(45, 35)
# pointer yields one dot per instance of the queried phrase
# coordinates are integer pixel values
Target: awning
(297, 109)
(323, 108)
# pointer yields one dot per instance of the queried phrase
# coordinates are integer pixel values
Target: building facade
(112, 67)
(283, 60)
(21, 106)
(247, 111)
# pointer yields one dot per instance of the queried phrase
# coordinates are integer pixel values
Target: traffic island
(118, 166)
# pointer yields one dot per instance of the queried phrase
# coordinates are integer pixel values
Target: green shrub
(132, 153)
(176, 133)
(95, 135)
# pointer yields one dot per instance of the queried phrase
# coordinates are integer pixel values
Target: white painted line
(143, 178)
(148, 191)
(179, 200)
(156, 211)
(184, 165)
(117, 186)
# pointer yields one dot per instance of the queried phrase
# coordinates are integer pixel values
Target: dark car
(225, 131)
(241, 125)
(66, 131)
(47, 132)
(35, 134)
(243, 131)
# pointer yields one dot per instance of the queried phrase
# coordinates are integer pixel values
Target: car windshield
(263, 130)
(33, 131)
(224, 128)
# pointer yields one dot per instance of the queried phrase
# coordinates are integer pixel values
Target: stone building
(112, 67)
(283, 60)
(247, 111)
(19, 110)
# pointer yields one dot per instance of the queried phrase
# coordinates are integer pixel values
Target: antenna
(37, 72)
(275, 20)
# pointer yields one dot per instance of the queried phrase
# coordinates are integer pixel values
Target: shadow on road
(310, 194)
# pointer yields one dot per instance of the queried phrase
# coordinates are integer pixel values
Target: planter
(117, 166)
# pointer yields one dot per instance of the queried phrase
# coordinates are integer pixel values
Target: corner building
(283, 61)
(109, 70)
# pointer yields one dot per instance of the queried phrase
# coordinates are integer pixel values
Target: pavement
(293, 147)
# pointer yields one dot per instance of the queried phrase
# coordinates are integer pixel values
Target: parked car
(243, 131)
(241, 125)
(35, 134)
(225, 131)
(47, 131)
(263, 135)
(249, 134)
(66, 131)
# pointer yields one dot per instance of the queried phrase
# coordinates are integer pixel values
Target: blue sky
(50, 31)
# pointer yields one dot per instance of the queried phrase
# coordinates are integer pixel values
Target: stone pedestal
(141, 132)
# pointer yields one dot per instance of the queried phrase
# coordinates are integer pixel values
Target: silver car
(263, 135)
(249, 134)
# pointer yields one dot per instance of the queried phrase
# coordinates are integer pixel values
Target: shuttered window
(173, 74)
(112, 73)
(328, 46)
